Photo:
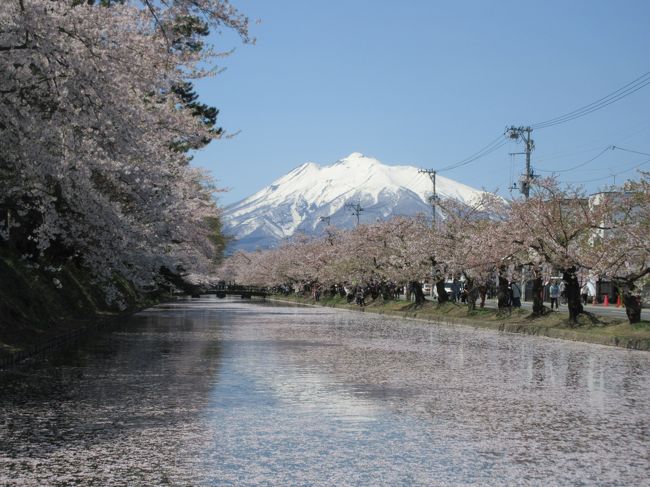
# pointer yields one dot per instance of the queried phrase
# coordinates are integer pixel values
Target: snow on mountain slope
(301, 199)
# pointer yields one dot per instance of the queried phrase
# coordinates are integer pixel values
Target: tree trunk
(572, 293)
(632, 306)
(472, 294)
(374, 292)
(472, 297)
(416, 288)
(341, 289)
(443, 297)
(538, 296)
(482, 291)
(385, 292)
(503, 297)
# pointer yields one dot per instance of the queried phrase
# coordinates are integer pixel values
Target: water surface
(213, 392)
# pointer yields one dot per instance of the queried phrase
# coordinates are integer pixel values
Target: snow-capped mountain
(308, 197)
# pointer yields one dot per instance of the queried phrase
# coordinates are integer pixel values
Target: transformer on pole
(356, 210)
(523, 133)
(432, 175)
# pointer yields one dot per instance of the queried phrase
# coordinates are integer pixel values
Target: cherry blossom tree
(552, 230)
(557, 230)
(396, 251)
(620, 247)
(407, 252)
(90, 124)
(471, 241)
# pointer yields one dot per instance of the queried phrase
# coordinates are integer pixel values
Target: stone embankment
(43, 309)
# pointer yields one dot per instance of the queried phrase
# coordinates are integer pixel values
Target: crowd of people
(554, 292)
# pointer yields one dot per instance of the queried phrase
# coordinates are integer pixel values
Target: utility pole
(356, 210)
(523, 133)
(432, 175)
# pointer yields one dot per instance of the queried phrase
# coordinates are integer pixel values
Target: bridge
(245, 292)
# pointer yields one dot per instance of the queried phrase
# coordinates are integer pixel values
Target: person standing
(516, 294)
(563, 298)
(554, 293)
(361, 298)
(584, 293)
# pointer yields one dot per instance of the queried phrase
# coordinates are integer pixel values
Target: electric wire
(484, 151)
(567, 154)
(500, 141)
(495, 144)
(611, 175)
(589, 147)
(630, 150)
(609, 147)
(619, 94)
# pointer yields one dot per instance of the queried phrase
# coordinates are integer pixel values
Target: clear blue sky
(429, 83)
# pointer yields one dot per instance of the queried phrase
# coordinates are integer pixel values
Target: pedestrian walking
(554, 293)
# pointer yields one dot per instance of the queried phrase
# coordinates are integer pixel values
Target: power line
(602, 102)
(611, 175)
(629, 150)
(500, 141)
(567, 154)
(497, 143)
(609, 147)
(619, 94)
(620, 136)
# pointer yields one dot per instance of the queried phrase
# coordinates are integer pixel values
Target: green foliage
(188, 31)
(206, 114)
(218, 238)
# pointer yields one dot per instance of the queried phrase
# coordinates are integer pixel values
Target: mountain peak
(297, 200)
(357, 159)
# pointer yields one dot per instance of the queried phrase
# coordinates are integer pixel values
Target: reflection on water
(208, 392)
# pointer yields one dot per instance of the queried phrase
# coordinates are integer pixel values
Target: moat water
(218, 392)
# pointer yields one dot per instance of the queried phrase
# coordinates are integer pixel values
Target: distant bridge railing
(245, 292)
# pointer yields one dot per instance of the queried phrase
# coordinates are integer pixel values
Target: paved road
(598, 309)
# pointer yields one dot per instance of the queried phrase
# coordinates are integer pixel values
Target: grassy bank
(554, 324)
(42, 309)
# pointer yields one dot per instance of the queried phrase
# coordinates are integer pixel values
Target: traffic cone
(606, 302)
(618, 301)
